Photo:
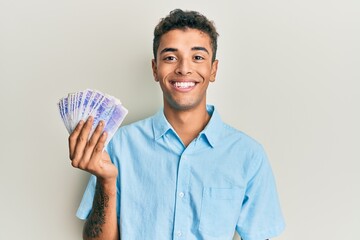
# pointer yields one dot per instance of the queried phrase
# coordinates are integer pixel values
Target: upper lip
(184, 80)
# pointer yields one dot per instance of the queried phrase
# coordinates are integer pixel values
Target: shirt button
(181, 194)
(179, 234)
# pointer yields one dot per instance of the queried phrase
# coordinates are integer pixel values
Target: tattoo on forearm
(93, 226)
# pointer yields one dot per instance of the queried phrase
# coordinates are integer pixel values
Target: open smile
(183, 85)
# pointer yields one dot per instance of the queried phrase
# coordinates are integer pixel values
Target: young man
(182, 173)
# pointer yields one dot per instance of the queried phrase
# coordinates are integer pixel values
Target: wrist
(108, 185)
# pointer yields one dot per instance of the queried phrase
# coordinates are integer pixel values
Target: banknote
(80, 105)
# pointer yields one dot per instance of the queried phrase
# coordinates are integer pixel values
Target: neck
(187, 123)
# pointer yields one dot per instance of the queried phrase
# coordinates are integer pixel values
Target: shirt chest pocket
(220, 211)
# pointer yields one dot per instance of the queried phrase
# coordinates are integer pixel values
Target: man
(182, 173)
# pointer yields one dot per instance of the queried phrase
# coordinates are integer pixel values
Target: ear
(154, 69)
(214, 67)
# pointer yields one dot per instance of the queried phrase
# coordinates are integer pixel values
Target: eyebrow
(200, 49)
(168, 50)
(175, 50)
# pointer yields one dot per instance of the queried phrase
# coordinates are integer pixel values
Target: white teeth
(184, 84)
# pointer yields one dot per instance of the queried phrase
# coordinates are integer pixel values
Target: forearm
(102, 221)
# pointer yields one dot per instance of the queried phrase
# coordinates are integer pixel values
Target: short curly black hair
(179, 19)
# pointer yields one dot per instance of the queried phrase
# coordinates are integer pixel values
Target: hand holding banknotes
(88, 155)
(91, 118)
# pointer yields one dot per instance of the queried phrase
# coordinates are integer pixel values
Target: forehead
(185, 39)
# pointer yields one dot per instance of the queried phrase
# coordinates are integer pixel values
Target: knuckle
(88, 147)
(91, 143)
(98, 128)
(75, 164)
(103, 138)
(75, 156)
(71, 137)
(88, 124)
(82, 165)
(80, 139)
(76, 129)
(98, 148)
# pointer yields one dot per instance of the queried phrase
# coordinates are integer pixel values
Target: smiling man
(183, 66)
(182, 173)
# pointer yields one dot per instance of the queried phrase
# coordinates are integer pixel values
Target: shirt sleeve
(87, 199)
(261, 216)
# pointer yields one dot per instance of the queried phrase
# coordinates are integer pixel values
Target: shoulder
(240, 138)
(249, 152)
(226, 135)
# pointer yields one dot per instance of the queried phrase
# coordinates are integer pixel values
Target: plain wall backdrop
(288, 76)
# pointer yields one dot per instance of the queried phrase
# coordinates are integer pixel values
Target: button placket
(181, 223)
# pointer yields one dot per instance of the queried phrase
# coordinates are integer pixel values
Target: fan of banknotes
(80, 105)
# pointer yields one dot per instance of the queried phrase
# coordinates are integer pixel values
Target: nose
(184, 67)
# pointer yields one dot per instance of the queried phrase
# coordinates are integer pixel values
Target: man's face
(184, 68)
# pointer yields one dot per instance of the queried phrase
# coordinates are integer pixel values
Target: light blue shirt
(221, 183)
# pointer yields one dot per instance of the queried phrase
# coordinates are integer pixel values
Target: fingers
(73, 138)
(86, 151)
(95, 137)
(93, 141)
(80, 140)
(98, 150)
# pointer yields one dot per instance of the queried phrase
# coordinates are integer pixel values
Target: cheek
(205, 71)
(164, 72)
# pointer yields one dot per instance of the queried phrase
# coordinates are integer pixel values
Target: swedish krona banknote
(80, 105)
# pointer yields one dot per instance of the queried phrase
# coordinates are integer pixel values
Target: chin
(184, 106)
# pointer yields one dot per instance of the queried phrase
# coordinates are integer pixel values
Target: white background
(288, 76)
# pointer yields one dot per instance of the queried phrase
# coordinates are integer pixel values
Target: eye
(170, 58)
(199, 58)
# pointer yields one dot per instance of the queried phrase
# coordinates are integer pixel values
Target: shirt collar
(212, 131)
(160, 124)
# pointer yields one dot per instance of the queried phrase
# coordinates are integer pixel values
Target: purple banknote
(80, 105)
